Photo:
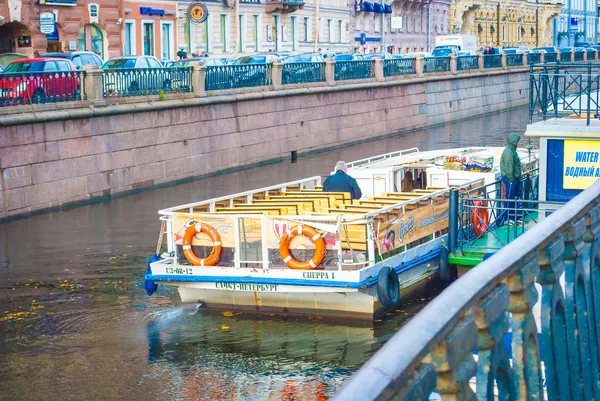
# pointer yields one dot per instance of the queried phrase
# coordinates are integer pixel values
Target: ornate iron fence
(591, 54)
(492, 61)
(467, 63)
(491, 311)
(146, 81)
(403, 66)
(238, 76)
(550, 58)
(578, 56)
(41, 87)
(436, 64)
(534, 58)
(513, 60)
(565, 57)
(345, 70)
(295, 73)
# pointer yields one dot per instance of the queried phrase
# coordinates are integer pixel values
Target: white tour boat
(292, 248)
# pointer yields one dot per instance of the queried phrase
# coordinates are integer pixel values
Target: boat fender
(445, 273)
(388, 287)
(150, 285)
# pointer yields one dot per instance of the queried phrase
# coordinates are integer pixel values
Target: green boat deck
(472, 253)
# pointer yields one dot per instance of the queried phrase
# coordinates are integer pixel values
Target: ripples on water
(75, 323)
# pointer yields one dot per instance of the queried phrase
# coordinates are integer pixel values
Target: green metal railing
(531, 312)
(550, 58)
(513, 60)
(41, 87)
(403, 66)
(578, 56)
(565, 57)
(492, 61)
(534, 58)
(237, 76)
(146, 81)
(467, 63)
(436, 64)
(361, 69)
(295, 73)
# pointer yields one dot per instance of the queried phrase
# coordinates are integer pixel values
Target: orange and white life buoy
(315, 237)
(194, 229)
(480, 217)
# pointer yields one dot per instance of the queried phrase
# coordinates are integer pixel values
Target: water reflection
(76, 324)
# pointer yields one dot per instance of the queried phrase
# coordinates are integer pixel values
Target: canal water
(76, 324)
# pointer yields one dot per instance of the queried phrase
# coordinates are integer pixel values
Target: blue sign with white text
(151, 11)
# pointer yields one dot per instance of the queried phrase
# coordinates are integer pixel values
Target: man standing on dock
(510, 170)
(340, 181)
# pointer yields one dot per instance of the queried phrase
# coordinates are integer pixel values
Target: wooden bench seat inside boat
(279, 210)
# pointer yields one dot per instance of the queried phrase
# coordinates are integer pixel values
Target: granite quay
(433, 352)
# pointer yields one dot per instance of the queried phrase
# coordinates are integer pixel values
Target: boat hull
(355, 303)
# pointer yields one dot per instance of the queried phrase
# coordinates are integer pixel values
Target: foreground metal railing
(41, 87)
(146, 81)
(433, 352)
(562, 89)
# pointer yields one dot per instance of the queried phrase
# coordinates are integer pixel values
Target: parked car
(412, 55)
(145, 75)
(80, 59)
(304, 72)
(328, 54)
(545, 49)
(515, 49)
(34, 80)
(253, 76)
(467, 53)
(348, 57)
(383, 56)
(444, 51)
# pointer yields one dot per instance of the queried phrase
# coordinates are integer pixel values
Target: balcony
(285, 6)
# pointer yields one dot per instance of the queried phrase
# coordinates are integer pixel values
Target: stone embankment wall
(58, 158)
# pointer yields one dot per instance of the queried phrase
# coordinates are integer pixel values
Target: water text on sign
(246, 287)
(581, 163)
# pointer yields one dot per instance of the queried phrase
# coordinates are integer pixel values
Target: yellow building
(505, 23)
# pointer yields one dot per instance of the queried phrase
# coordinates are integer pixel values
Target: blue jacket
(342, 182)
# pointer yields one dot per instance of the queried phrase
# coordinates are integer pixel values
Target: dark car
(217, 78)
(255, 74)
(79, 59)
(382, 56)
(144, 75)
(35, 80)
(545, 49)
(301, 68)
(348, 57)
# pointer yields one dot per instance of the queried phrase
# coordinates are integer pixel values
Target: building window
(293, 20)
(223, 30)
(305, 27)
(129, 47)
(329, 26)
(96, 42)
(241, 26)
(256, 29)
(519, 33)
(340, 22)
(504, 33)
(148, 38)
(81, 39)
(167, 36)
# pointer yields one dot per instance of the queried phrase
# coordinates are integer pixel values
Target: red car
(39, 80)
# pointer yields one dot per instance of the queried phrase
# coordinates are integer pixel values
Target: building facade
(577, 22)
(150, 28)
(258, 25)
(402, 26)
(501, 24)
(33, 27)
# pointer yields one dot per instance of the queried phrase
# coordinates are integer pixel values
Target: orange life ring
(194, 229)
(480, 217)
(315, 237)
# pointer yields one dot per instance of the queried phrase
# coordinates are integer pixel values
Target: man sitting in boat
(510, 169)
(340, 181)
